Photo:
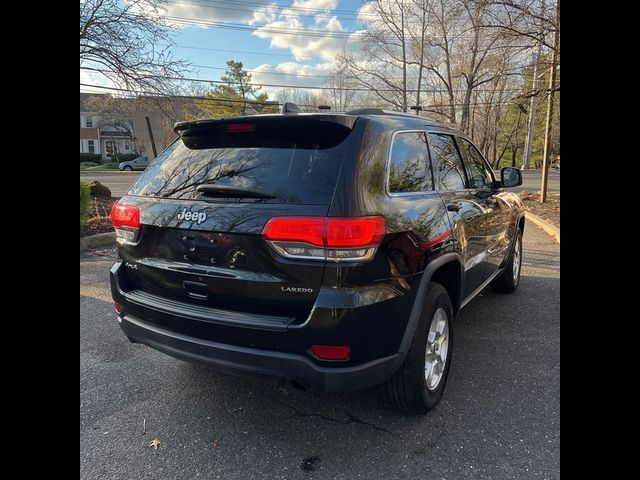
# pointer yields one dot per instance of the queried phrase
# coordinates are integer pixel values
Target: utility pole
(153, 143)
(532, 110)
(552, 87)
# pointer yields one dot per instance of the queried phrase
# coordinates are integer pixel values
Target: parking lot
(499, 417)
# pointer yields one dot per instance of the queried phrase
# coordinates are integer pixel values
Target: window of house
(89, 122)
(127, 146)
(409, 169)
(92, 146)
(477, 168)
(447, 165)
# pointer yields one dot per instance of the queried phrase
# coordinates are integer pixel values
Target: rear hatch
(203, 204)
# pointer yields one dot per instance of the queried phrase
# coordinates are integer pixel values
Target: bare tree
(306, 99)
(385, 48)
(342, 90)
(129, 42)
(525, 19)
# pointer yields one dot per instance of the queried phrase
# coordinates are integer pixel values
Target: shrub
(90, 157)
(97, 189)
(85, 200)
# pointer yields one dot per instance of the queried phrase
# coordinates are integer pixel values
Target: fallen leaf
(155, 443)
(215, 444)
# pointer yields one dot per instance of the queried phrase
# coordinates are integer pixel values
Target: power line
(277, 9)
(304, 87)
(262, 28)
(293, 8)
(288, 55)
(253, 102)
(267, 73)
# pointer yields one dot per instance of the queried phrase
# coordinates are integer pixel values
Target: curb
(100, 240)
(549, 229)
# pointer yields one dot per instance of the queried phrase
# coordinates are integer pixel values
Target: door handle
(454, 207)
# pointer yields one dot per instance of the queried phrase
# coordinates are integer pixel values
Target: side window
(477, 169)
(447, 166)
(409, 164)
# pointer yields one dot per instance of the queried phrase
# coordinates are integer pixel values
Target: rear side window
(446, 162)
(288, 161)
(409, 169)
(477, 169)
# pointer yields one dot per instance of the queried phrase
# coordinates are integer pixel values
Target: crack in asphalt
(351, 418)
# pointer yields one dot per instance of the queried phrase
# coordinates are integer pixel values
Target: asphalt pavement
(119, 182)
(499, 417)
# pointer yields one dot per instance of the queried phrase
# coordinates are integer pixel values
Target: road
(499, 417)
(119, 182)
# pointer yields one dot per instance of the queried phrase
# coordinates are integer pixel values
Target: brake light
(354, 232)
(308, 230)
(321, 238)
(126, 222)
(331, 352)
(239, 127)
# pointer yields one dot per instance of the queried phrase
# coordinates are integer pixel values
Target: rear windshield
(286, 161)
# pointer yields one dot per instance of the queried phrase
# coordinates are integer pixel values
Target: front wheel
(127, 168)
(419, 383)
(509, 279)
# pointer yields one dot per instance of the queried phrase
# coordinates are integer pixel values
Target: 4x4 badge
(192, 216)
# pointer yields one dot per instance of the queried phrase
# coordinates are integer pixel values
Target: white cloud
(187, 13)
(316, 4)
(95, 78)
(297, 74)
(310, 44)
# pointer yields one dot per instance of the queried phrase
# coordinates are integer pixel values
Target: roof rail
(289, 108)
(379, 111)
(366, 111)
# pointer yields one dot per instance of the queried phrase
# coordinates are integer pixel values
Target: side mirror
(510, 177)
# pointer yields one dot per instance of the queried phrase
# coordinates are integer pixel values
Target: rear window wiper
(230, 192)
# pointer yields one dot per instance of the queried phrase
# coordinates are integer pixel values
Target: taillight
(331, 352)
(321, 238)
(126, 222)
(307, 230)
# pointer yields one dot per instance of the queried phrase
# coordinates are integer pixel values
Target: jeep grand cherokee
(334, 250)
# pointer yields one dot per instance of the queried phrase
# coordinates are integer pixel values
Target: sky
(281, 42)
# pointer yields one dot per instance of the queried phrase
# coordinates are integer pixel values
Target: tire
(127, 168)
(411, 389)
(509, 279)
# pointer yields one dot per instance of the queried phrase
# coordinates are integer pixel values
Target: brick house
(134, 137)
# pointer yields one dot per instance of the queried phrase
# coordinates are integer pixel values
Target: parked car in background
(334, 250)
(139, 163)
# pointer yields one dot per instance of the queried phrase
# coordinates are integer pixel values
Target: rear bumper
(261, 362)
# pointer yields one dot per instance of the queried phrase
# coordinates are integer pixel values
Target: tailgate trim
(208, 314)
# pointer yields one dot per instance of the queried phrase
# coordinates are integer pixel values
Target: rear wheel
(509, 279)
(419, 383)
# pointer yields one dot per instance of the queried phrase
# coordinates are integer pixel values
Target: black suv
(333, 250)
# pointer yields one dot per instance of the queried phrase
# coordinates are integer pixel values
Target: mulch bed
(98, 221)
(549, 211)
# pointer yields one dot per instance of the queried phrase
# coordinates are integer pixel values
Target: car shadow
(506, 347)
